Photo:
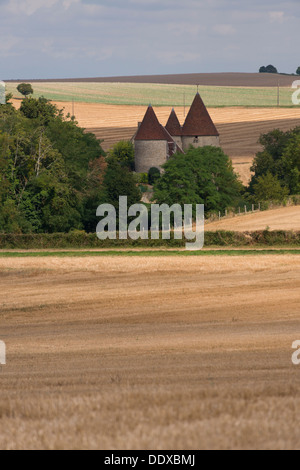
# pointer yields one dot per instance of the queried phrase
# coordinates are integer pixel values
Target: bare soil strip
(209, 79)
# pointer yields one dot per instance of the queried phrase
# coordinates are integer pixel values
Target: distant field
(209, 79)
(158, 94)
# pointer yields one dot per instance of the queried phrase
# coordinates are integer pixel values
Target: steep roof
(173, 147)
(150, 128)
(167, 135)
(198, 121)
(173, 125)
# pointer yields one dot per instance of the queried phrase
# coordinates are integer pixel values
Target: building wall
(202, 142)
(150, 153)
(178, 140)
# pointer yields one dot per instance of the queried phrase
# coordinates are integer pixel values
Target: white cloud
(29, 7)
(276, 16)
(68, 3)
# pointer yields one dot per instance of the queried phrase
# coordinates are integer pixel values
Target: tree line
(272, 69)
(54, 175)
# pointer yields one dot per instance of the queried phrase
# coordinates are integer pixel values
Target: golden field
(150, 353)
(283, 218)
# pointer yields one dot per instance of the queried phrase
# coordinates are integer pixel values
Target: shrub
(268, 188)
(82, 240)
(153, 175)
(143, 178)
(140, 178)
(143, 189)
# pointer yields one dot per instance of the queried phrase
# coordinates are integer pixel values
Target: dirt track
(155, 353)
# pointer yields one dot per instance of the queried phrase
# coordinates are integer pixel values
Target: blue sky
(89, 38)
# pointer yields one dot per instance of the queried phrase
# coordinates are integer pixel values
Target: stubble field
(283, 218)
(154, 353)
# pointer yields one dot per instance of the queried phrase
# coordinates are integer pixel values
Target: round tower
(150, 142)
(199, 129)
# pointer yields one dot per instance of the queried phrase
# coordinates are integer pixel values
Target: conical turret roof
(150, 128)
(173, 125)
(198, 121)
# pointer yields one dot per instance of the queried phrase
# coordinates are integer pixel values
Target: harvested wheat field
(283, 218)
(150, 353)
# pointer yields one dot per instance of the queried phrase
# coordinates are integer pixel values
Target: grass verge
(76, 254)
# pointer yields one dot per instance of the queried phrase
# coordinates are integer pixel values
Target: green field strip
(79, 254)
(159, 94)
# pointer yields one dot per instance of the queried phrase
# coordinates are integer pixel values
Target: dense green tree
(268, 188)
(298, 71)
(94, 194)
(274, 142)
(40, 108)
(268, 69)
(280, 157)
(45, 162)
(271, 69)
(25, 89)
(77, 147)
(201, 176)
(119, 181)
(123, 152)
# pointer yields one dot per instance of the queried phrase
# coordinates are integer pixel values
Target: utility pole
(278, 94)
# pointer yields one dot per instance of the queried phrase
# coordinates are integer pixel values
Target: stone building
(155, 144)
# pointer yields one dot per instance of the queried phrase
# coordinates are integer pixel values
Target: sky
(90, 38)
